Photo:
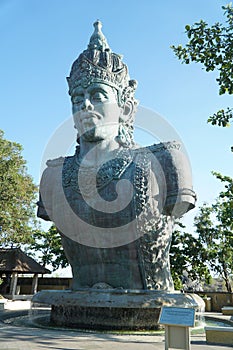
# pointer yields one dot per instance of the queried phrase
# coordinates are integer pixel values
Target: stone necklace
(94, 177)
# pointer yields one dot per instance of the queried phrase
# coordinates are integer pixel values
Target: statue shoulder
(52, 170)
(165, 147)
(171, 155)
(50, 178)
(55, 162)
(174, 162)
(159, 149)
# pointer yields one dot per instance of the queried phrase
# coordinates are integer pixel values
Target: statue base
(112, 309)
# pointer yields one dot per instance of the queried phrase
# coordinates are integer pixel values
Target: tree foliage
(187, 258)
(211, 249)
(17, 195)
(48, 248)
(214, 225)
(212, 46)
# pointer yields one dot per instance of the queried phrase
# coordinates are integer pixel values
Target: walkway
(23, 338)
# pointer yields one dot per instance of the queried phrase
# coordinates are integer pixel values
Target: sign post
(177, 321)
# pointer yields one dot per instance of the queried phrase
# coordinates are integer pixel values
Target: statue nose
(87, 105)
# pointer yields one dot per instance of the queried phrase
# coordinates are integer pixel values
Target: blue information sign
(178, 316)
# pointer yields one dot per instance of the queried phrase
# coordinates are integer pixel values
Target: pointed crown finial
(98, 40)
(99, 64)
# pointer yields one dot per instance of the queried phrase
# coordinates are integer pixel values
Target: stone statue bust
(113, 202)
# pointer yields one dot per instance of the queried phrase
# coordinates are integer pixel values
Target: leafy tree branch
(17, 195)
(212, 47)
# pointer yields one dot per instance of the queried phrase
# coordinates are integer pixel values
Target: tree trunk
(226, 279)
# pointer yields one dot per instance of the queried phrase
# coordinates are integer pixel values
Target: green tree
(187, 255)
(214, 225)
(17, 196)
(48, 248)
(212, 46)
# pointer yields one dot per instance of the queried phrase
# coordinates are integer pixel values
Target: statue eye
(77, 99)
(99, 96)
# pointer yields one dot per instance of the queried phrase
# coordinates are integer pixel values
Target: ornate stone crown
(99, 64)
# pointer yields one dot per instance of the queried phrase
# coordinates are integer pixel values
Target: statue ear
(127, 111)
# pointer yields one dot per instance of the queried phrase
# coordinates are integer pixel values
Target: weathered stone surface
(219, 335)
(112, 309)
(105, 318)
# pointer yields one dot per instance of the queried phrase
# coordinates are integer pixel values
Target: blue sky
(41, 39)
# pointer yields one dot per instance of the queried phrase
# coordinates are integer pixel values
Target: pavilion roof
(15, 260)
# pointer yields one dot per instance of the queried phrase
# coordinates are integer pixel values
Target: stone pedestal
(112, 309)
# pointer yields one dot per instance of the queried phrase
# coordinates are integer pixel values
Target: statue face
(96, 112)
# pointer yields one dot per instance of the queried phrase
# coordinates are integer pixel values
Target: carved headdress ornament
(99, 64)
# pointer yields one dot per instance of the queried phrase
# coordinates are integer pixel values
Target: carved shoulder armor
(47, 182)
(55, 162)
(174, 161)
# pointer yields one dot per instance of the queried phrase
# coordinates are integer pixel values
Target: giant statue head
(99, 78)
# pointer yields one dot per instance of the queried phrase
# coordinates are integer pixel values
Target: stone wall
(54, 283)
(217, 299)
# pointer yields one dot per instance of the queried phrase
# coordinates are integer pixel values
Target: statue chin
(92, 135)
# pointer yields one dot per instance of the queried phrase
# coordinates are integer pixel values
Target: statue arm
(180, 197)
(45, 196)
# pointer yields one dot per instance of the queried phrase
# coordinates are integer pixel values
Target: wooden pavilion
(14, 262)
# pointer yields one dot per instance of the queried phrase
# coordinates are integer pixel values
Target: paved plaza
(31, 338)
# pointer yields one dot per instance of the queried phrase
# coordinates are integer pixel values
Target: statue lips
(90, 118)
(90, 115)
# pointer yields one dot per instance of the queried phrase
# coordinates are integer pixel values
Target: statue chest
(111, 196)
(117, 201)
(111, 206)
